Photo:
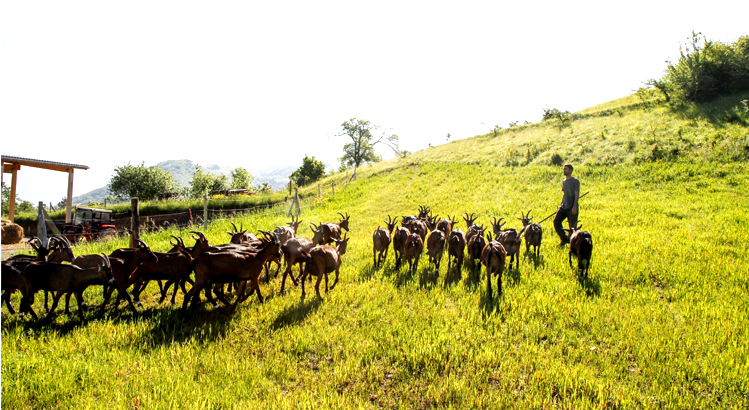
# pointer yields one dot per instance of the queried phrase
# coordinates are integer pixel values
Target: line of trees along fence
(303, 198)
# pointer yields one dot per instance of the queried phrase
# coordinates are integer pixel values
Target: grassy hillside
(660, 322)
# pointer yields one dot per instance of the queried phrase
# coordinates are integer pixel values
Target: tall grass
(661, 322)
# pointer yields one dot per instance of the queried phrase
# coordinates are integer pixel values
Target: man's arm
(574, 205)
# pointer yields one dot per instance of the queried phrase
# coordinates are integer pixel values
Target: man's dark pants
(563, 214)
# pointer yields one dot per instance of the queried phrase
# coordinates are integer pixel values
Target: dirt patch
(12, 249)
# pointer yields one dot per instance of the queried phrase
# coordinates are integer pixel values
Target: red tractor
(88, 223)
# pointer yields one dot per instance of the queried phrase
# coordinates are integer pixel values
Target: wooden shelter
(11, 165)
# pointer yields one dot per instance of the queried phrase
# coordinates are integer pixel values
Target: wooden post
(346, 177)
(12, 203)
(69, 205)
(289, 188)
(291, 208)
(205, 213)
(50, 225)
(332, 183)
(134, 222)
(296, 200)
(41, 230)
(319, 190)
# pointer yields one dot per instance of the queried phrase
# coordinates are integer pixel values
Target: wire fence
(304, 199)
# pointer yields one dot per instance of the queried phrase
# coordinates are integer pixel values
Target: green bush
(707, 70)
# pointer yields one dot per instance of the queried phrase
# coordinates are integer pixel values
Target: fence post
(333, 185)
(41, 230)
(291, 208)
(319, 190)
(296, 200)
(289, 188)
(134, 222)
(346, 177)
(205, 212)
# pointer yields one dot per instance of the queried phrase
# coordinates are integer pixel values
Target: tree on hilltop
(361, 148)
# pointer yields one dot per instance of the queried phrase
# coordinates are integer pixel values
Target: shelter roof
(37, 163)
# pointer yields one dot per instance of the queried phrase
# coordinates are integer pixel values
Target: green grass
(661, 322)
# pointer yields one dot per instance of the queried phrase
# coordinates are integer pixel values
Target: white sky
(253, 84)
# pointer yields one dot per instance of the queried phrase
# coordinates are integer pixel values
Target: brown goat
(322, 260)
(122, 269)
(424, 212)
(470, 219)
(61, 279)
(419, 227)
(332, 231)
(533, 233)
(436, 247)
(510, 239)
(240, 236)
(12, 279)
(475, 246)
(446, 225)
(293, 253)
(231, 266)
(412, 251)
(174, 267)
(399, 245)
(456, 244)
(581, 245)
(493, 257)
(381, 241)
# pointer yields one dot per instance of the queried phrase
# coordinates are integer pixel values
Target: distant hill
(183, 169)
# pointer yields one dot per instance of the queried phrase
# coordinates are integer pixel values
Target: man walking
(568, 208)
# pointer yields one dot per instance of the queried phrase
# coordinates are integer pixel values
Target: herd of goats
(240, 263)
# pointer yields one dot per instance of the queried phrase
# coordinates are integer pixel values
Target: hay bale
(11, 233)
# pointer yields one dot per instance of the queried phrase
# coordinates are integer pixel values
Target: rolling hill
(661, 321)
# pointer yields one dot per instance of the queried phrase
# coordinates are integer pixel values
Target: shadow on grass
(512, 277)
(428, 276)
(453, 276)
(296, 313)
(490, 303)
(473, 273)
(718, 112)
(538, 261)
(591, 287)
(402, 275)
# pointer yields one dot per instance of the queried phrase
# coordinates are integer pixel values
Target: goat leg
(79, 301)
(67, 302)
(166, 290)
(107, 294)
(46, 294)
(218, 289)
(317, 285)
(55, 301)
(337, 271)
(6, 300)
(240, 292)
(304, 278)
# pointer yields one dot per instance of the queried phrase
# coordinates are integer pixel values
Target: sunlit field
(660, 322)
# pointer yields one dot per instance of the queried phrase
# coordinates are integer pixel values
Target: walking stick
(555, 212)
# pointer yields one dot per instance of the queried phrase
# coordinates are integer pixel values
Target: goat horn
(106, 258)
(235, 227)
